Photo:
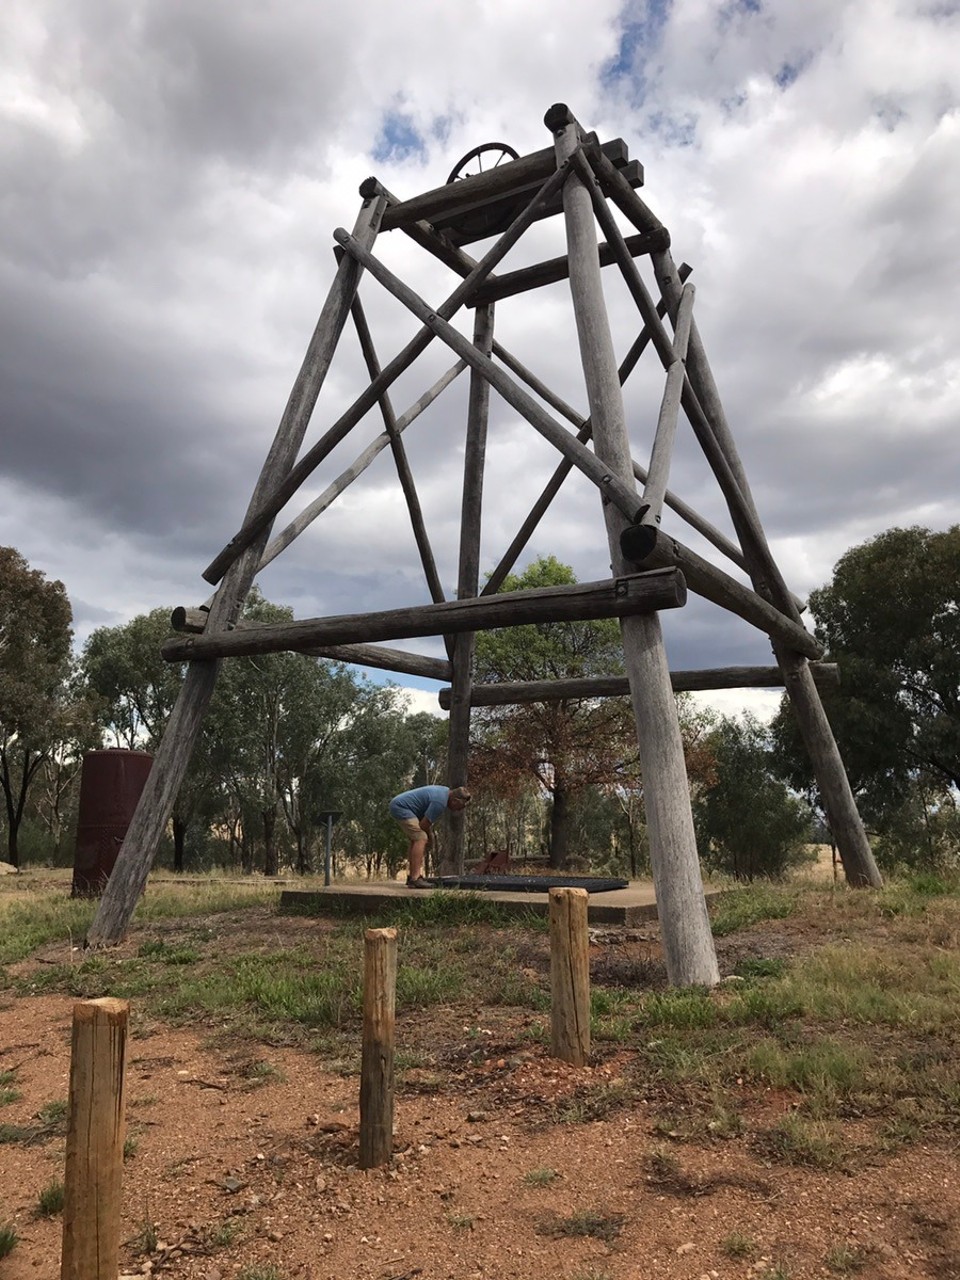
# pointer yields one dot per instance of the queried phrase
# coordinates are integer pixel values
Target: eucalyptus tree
(890, 617)
(749, 824)
(35, 707)
(564, 746)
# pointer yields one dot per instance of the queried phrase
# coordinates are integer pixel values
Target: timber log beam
(555, 269)
(615, 598)
(706, 580)
(498, 189)
(193, 621)
(826, 675)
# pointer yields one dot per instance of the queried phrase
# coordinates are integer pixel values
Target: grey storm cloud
(172, 174)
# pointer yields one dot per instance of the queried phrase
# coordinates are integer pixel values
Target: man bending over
(417, 811)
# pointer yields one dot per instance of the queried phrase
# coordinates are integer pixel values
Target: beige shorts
(412, 828)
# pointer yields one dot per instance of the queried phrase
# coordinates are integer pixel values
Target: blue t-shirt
(421, 802)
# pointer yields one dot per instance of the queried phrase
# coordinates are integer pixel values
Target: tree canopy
(890, 617)
(748, 824)
(35, 636)
(562, 747)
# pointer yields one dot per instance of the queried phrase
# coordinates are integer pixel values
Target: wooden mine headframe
(579, 177)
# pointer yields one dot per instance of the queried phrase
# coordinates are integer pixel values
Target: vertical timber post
(569, 976)
(468, 582)
(129, 876)
(95, 1129)
(681, 906)
(376, 1065)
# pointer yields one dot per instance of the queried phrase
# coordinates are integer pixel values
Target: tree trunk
(270, 864)
(179, 841)
(560, 822)
(246, 850)
(304, 861)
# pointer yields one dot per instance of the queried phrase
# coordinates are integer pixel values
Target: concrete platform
(628, 907)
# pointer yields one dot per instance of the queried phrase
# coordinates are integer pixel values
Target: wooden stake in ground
(376, 1067)
(569, 976)
(95, 1131)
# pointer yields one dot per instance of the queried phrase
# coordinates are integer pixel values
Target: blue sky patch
(398, 139)
(674, 130)
(640, 23)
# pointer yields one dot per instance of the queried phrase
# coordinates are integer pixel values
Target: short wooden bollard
(95, 1132)
(569, 976)
(376, 1066)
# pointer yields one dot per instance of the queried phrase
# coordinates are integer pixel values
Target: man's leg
(417, 838)
(418, 848)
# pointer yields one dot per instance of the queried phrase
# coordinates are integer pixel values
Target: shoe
(419, 883)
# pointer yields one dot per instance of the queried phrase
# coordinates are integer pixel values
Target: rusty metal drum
(110, 786)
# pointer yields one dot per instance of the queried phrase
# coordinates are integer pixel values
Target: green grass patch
(540, 1177)
(29, 922)
(168, 953)
(738, 1246)
(689, 1009)
(8, 1088)
(50, 1200)
(258, 991)
(739, 908)
(8, 1239)
(842, 1260)
(54, 1113)
(794, 1140)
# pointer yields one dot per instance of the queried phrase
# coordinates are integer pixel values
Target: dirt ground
(239, 1170)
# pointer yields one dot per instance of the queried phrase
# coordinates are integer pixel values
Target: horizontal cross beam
(520, 178)
(553, 270)
(193, 621)
(510, 693)
(613, 598)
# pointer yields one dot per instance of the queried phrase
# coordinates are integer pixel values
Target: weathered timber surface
(706, 580)
(859, 866)
(193, 621)
(569, 976)
(509, 693)
(584, 432)
(92, 1188)
(518, 179)
(377, 1049)
(423, 234)
(555, 269)
(742, 512)
(468, 577)
(661, 452)
(481, 219)
(616, 598)
(688, 943)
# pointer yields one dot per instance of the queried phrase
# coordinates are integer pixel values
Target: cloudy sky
(173, 171)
